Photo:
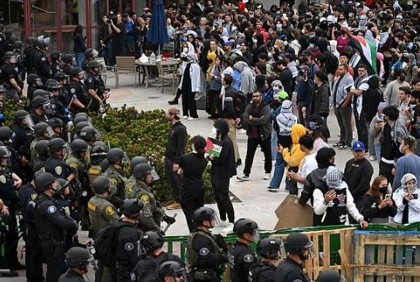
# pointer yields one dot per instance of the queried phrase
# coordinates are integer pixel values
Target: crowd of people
(275, 73)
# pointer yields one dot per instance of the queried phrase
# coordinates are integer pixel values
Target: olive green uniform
(118, 181)
(152, 215)
(131, 188)
(101, 213)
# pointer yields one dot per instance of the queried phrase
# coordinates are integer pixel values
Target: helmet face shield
(27, 121)
(155, 175)
(50, 132)
(5, 158)
(256, 235)
(68, 148)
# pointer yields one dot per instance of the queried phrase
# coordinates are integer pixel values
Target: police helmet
(40, 93)
(9, 56)
(41, 148)
(202, 214)
(2, 89)
(115, 155)
(43, 44)
(4, 152)
(76, 71)
(245, 225)
(33, 78)
(18, 44)
(60, 76)
(56, 144)
(269, 248)
(77, 257)
(44, 180)
(141, 170)
(330, 276)
(172, 269)
(5, 133)
(99, 148)
(88, 133)
(89, 53)
(55, 55)
(79, 126)
(23, 118)
(138, 160)
(103, 184)
(82, 114)
(78, 119)
(79, 146)
(52, 84)
(55, 122)
(40, 102)
(42, 127)
(152, 241)
(63, 182)
(67, 58)
(297, 243)
(93, 64)
(131, 208)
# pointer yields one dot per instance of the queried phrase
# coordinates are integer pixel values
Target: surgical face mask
(383, 190)
(311, 45)
(275, 87)
(185, 50)
(255, 41)
(279, 26)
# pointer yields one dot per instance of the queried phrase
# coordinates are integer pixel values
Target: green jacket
(101, 213)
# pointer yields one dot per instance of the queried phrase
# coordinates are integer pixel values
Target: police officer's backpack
(105, 241)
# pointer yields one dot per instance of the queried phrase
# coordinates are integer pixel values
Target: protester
(409, 163)
(406, 198)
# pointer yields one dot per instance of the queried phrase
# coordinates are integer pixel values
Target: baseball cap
(282, 95)
(228, 43)
(358, 146)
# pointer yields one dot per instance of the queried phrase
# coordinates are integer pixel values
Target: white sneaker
(267, 176)
(223, 223)
(185, 117)
(228, 229)
(372, 158)
(192, 118)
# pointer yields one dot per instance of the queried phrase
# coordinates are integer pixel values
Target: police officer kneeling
(269, 250)
(171, 271)
(298, 248)
(53, 226)
(206, 254)
(77, 260)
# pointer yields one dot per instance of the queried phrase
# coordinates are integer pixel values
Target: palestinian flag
(367, 51)
(213, 147)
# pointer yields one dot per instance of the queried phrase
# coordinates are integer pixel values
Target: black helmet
(60, 76)
(152, 241)
(79, 126)
(78, 119)
(171, 268)
(44, 180)
(103, 184)
(10, 56)
(89, 53)
(6, 134)
(115, 155)
(52, 84)
(269, 248)
(141, 170)
(297, 243)
(38, 102)
(131, 208)
(23, 118)
(56, 144)
(88, 133)
(41, 128)
(4, 152)
(245, 225)
(77, 257)
(63, 182)
(202, 214)
(93, 64)
(41, 93)
(67, 58)
(55, 55)
(76, 71)
(79, 146)
(55, 122)
(99, 148)
(81, 114)
(41, 148)
(330, 276)
(138, 160)
(33, 78)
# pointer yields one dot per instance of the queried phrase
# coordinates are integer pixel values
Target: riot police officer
(63, 78)
(8, 184)
(88, 134)
(34, 83)
(41, 108)
(207, 254)
(241, 257)
(58, 109)
(171, 271)
(7, 136)
(269, 250)
(27, 202)
(78, 95)
(127, 240)
(90, 55)
(55, 63)
(42, 153)
(12, 80)
(23, 129)
(77, 259)
(330, 276)
(116, 158)
(42, 131)
(98, 154)
(55, 163)
(145, 270)
(42, 64)
(68, 63)
(298, 248)
(57, 126)
(53, 226)
(29, 52)
(95, 86)
(131, 181)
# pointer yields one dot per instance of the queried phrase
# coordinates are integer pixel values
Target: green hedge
(142, 133)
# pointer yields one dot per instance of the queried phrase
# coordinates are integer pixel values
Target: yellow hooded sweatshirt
(296, 155)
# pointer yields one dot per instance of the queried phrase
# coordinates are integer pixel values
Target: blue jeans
(273, 145)
(378, 151)
(278, 171)
(79, 59)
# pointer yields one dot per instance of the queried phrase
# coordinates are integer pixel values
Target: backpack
(331, 63)
(105, 241)
(239, 103)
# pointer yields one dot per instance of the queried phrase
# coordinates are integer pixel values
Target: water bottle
(152, 57)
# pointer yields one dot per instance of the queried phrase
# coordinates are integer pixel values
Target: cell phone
(415, 196)
(388, 197)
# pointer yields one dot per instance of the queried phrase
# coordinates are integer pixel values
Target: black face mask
(383, 190)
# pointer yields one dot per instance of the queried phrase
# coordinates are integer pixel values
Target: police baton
(168, 225)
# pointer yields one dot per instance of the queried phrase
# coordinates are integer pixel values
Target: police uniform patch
(3, 179)
(204, 251)
(72, 90)
(248, 258)
(91, 206)
(129, 246)
(74, 166)
(145, 199)
(34, 196)
(114, 181)
(52, 209)
(94, 171)
(129, 189)
(58, 170)
(110, 211)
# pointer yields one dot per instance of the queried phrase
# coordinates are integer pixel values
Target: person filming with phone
(406, 199)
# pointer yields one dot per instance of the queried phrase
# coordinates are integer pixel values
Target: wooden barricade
(386, 256)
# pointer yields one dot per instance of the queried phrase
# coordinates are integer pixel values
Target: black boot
(173, 102)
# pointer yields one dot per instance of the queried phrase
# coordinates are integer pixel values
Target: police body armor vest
(192, 257)
(93, 172)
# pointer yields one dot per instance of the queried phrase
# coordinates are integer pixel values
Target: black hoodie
(225, 165)
(371, 98)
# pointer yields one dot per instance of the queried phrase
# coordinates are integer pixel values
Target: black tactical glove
(220, 242)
